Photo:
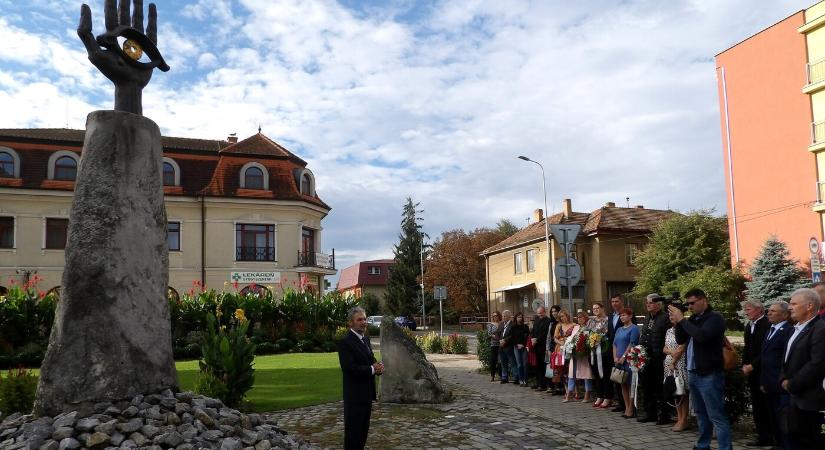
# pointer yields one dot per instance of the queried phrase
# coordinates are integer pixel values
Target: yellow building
(814, 32)
(239, 214)
(366, 278)
(611, 237)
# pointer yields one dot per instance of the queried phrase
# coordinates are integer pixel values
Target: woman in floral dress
(601, 380)
(579, 368)
(675, 352)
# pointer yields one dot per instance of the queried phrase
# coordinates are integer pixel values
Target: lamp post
(423, 308)
(549, 288)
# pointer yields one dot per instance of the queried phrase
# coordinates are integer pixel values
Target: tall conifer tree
(403, 295)
(774, 274)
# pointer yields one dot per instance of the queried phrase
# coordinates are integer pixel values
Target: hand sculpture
(121, 63)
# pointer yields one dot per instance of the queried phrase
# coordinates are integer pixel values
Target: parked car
(406, 322)
(375, 320)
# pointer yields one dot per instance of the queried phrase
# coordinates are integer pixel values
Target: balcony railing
(820, 192)
(818, 132)
(315, 259)
(254, 253)
(816, 71)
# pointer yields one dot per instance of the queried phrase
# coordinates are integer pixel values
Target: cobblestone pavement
(488, 415)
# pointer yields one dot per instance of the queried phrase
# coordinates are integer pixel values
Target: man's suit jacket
(805, 367)
(356, 364)
(507, 334)
(771, 358)
(753, 346)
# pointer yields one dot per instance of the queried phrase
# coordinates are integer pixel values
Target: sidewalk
(487, 415)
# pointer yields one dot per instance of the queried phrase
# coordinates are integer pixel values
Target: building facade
(518, 274)
(772, 110)
(239, 214)
(366, 277)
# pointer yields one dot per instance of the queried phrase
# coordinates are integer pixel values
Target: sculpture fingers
(137, 15)
(123, 13)
(84, 30)
(110, 12)
(152, 26)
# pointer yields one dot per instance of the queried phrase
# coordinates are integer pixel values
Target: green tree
(774, 274)
(691, 251)
(403, 289)
(506, 228)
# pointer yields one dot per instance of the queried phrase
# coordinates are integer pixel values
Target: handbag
(548, 372)
(730, 358)
(680, 384)
(618, 375)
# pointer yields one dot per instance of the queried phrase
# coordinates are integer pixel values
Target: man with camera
(653, 340)
(704, 334)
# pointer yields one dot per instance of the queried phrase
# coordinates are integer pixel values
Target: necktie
(366, 342)
(770, 335)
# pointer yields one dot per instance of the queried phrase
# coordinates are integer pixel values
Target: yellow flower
(225, 285)
(223, 327)
(240, 315)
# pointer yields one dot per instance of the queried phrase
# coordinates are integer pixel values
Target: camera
(676, 301)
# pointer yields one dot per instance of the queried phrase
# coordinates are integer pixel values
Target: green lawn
(284, 381)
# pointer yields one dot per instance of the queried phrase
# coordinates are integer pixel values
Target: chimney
(233, 138)
(610, 205)
(567, 208)
(538, 215)
(640, 206)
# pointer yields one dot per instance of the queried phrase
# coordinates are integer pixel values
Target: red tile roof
(208, 167)
(603, 220)
(358, 275)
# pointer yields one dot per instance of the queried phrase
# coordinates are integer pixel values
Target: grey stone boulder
(111, 338)
(408, 376)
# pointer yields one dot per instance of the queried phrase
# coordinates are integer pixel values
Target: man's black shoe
(646, 419)
(618, 408)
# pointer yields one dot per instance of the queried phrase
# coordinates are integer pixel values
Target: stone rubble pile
(182, 421)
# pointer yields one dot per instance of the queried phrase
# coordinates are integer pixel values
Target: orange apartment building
(772, 109)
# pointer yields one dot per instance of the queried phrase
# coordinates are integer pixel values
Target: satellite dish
(536, 303)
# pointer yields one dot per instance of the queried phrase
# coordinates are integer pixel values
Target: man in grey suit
(803, 371)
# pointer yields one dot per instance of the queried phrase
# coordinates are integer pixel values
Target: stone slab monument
(408, 376)
(111, 339)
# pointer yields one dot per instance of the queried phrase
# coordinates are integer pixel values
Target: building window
(517, 262)
(306, 185)
(6, 232)
(168, 174)
(65, 168)
(254, 242)
(56, 233)
(254, 178)
(374, 270)
(531, 260)
(173, 236)
(6, 165)
(631, 252)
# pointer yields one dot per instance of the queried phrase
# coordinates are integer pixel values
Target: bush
(430, 343)
(228, 357)
(329, 346)
(456, 344)
(266, 348)
(737, 393)
(340, 333)
(304, 345)
(211, 386)
(372, 330)
(284, 344)
(483, 349)
(17, 391)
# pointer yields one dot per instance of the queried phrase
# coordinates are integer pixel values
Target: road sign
(440, 292)
(566, 233)
(813, 245)
(568, 271)
(817, 277)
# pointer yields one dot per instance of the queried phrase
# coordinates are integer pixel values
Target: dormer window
(168, 174)
(7, 164)
(374, 270)
(254, 176)
(63, 166)
(307, 182)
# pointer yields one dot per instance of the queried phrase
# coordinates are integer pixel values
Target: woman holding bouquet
(579, 368)
(563, 331)
(627, 336)
(600, 362)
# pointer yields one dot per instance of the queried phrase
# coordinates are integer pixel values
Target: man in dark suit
(613, 323)
(803, 372)
(770, 366)
(359, 367)
(508, 358)
(755, 332)
(539, 337)
(653, 340)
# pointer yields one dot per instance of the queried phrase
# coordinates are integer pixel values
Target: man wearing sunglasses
(704, 334)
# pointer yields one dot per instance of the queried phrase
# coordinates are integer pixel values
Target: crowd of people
(673, 366)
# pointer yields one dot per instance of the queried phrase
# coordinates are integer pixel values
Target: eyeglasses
(690, 303)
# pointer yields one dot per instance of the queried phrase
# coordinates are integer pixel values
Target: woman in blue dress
(627, 336)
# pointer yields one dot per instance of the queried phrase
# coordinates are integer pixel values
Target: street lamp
(546, 232)
(423, 308)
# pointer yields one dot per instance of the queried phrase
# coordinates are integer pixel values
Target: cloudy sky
(429, 99)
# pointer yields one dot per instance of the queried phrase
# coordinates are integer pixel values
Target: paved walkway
(488, 415)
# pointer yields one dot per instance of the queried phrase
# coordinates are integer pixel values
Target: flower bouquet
(580, 340)
(636, 358)
(597, 341)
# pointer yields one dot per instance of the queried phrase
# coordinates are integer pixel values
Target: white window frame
(518, 262)
(180, 233)
(371, 272)
(15, 160)
(311, 182)
(533, 252)
(57, 155)
(175, 166)
(259, 166)
(253, 222)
